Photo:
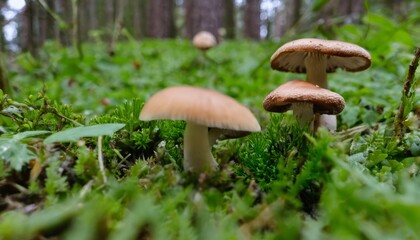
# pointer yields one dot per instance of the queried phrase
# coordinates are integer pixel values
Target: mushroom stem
(327, 121)
(316, 69)
(214, 134)
(303, 112)
(197, 151)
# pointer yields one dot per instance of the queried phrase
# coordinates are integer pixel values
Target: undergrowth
(281, 183)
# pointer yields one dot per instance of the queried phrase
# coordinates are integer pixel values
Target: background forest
(63, 20)
(77, 163)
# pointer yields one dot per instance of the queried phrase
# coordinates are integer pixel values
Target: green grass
(281, 183)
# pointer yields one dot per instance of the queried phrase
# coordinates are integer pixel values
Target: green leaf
(15, 152)
(22, 135)
(74, 134)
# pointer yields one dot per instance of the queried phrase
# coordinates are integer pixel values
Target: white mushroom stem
(316, 69)
(303, 112)
(214, 134)
(316, 73)
(197, 151)
(327, 121)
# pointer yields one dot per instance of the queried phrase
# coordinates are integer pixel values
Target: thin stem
(316, 69)
(197, 151)
(101, 159)
(408, 92)
(325, 120)
(303, 112)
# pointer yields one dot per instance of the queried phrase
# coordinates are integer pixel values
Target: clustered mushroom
(210, 115)
(304, 99)
(316, 58)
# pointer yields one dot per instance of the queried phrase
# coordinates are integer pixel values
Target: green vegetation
(281, 183)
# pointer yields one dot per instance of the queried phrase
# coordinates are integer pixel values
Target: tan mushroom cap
(204, 40)
(350, 57)
(297, 91)
(201, 106)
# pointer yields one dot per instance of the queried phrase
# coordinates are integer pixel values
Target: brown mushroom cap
(201, 106)
(204, 40)
(297, 91)
(350, 57)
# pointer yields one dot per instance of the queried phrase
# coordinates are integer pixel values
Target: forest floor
(66, 114)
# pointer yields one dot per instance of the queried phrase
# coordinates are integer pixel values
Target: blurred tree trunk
(3, 3)
(42, 26)
(4, 81)
(252, 19)
(288, 18)
(229, 18)
(27, 30)
(91, 15)
(338, 12)
(84, 21)
(46, 25)
(64, 10)
(398, 8)
(51, 25)
(160, 19)
(139, 8)
(202, 15)
(109, 13)
(118, 25)
(76, 34)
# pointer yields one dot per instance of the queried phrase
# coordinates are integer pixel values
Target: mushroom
(316, 58)
(201, 108)
(304, 99)
(204, 40)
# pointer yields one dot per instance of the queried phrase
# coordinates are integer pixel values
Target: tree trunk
(91, 15)
(139, 8)
(338, 12)
(27, 29)
(160, 19)
(42, 26)
(118, 24)
(64, 9)
(3, 42)
(202, 15)
(398, 9)
(51, 25)
(288, 18)
(109, 14)
(76, 36)
(229, 18)
(252, 19)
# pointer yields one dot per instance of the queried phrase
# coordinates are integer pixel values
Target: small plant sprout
(201, 108)
(316, 58)
(304, 99)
